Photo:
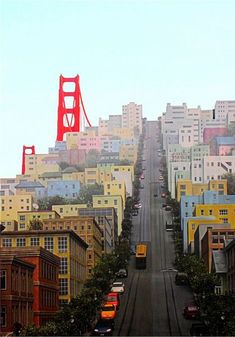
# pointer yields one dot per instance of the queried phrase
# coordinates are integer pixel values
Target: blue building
(65, 188)
(188, 203)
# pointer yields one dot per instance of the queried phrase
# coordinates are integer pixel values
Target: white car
(118, 287)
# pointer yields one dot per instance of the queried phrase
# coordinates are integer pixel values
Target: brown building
(230, 258)
(45, 280)
(214, 239)
(88, 230)
(16, 298)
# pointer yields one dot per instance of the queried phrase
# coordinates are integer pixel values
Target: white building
(214, 167)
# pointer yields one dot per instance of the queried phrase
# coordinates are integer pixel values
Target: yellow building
(11, 204)
(24, 218)
(193, 224)
(74, 176)
(40, 163)
(66, 244)
(87, 229)
(103, 201)
(128, 152)
(116, 188)
(105, 175)
(223, 212)
(124, 168)
(68, 209)
(92, 176)
(186, 187)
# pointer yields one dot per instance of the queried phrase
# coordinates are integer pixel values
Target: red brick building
(214, 239)
(16, 298)
(45, 280)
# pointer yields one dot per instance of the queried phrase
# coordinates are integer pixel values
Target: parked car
(132, 249)
(191, 311)
(199, 329)
(168, 208)
(103, 328)
(181, 279)
(122, 273)
(113, 298)
(135, 212)
(155, 195)
(163, 195)
(108, 311)
(118, 287)
(164, 205)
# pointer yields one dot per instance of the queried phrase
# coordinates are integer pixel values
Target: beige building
(132, 116)
(11, 204)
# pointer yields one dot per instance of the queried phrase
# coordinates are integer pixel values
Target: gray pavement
(152, 304)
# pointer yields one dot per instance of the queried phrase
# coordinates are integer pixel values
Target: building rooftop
(51, 175)
(29, 184)
(225, 140)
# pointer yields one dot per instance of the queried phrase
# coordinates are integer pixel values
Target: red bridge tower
(24, 153)
(69, 112)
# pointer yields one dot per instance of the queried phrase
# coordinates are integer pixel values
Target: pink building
(222, 146)
(209, 133)
(88, 143)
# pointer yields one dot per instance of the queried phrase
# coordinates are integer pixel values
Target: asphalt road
(152, 304)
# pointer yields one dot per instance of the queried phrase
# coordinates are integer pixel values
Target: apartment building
(45, 280)
(115, 201)
(87, 229)
(11, 204)
(24, 218)
(132, 116)
(65, 244)
(214, 239)
(214, 167)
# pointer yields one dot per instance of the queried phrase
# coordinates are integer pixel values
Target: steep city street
(153, 304)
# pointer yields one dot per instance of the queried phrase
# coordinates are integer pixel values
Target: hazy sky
(149, 52)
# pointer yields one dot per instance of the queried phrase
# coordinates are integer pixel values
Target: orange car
(113, 298)
(108, 311)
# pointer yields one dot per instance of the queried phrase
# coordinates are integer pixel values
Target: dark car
(132, 249)
(199, 329)
(103, 328)
(164, 205)
(155, 195)
(122, 273)
(134, 212)
(181, 279)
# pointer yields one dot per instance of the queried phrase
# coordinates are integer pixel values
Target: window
(61, 210)
(20, 242)
(223, 212)
(210, 211)
(22, 225)
(186, 204)
(22, 217)
(63, 265)
(221, 186)
(225, 220)
(3, 317)
(63, 286)
(34, 241)
(3, 278)
(202, 211)
(115, 202)
(193, 226)
(6, 242)
(183, 187)
(48, 243)
(106, 201)
(62, 244)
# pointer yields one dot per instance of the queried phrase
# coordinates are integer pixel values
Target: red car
(191, 311)
(163, 195)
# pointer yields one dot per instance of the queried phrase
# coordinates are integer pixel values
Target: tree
(231, 182)
(63, 165)
(87, 191)
(36, 224)
(92, 158)
(45, 204)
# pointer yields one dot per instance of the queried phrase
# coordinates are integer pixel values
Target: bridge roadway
(152, 304)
